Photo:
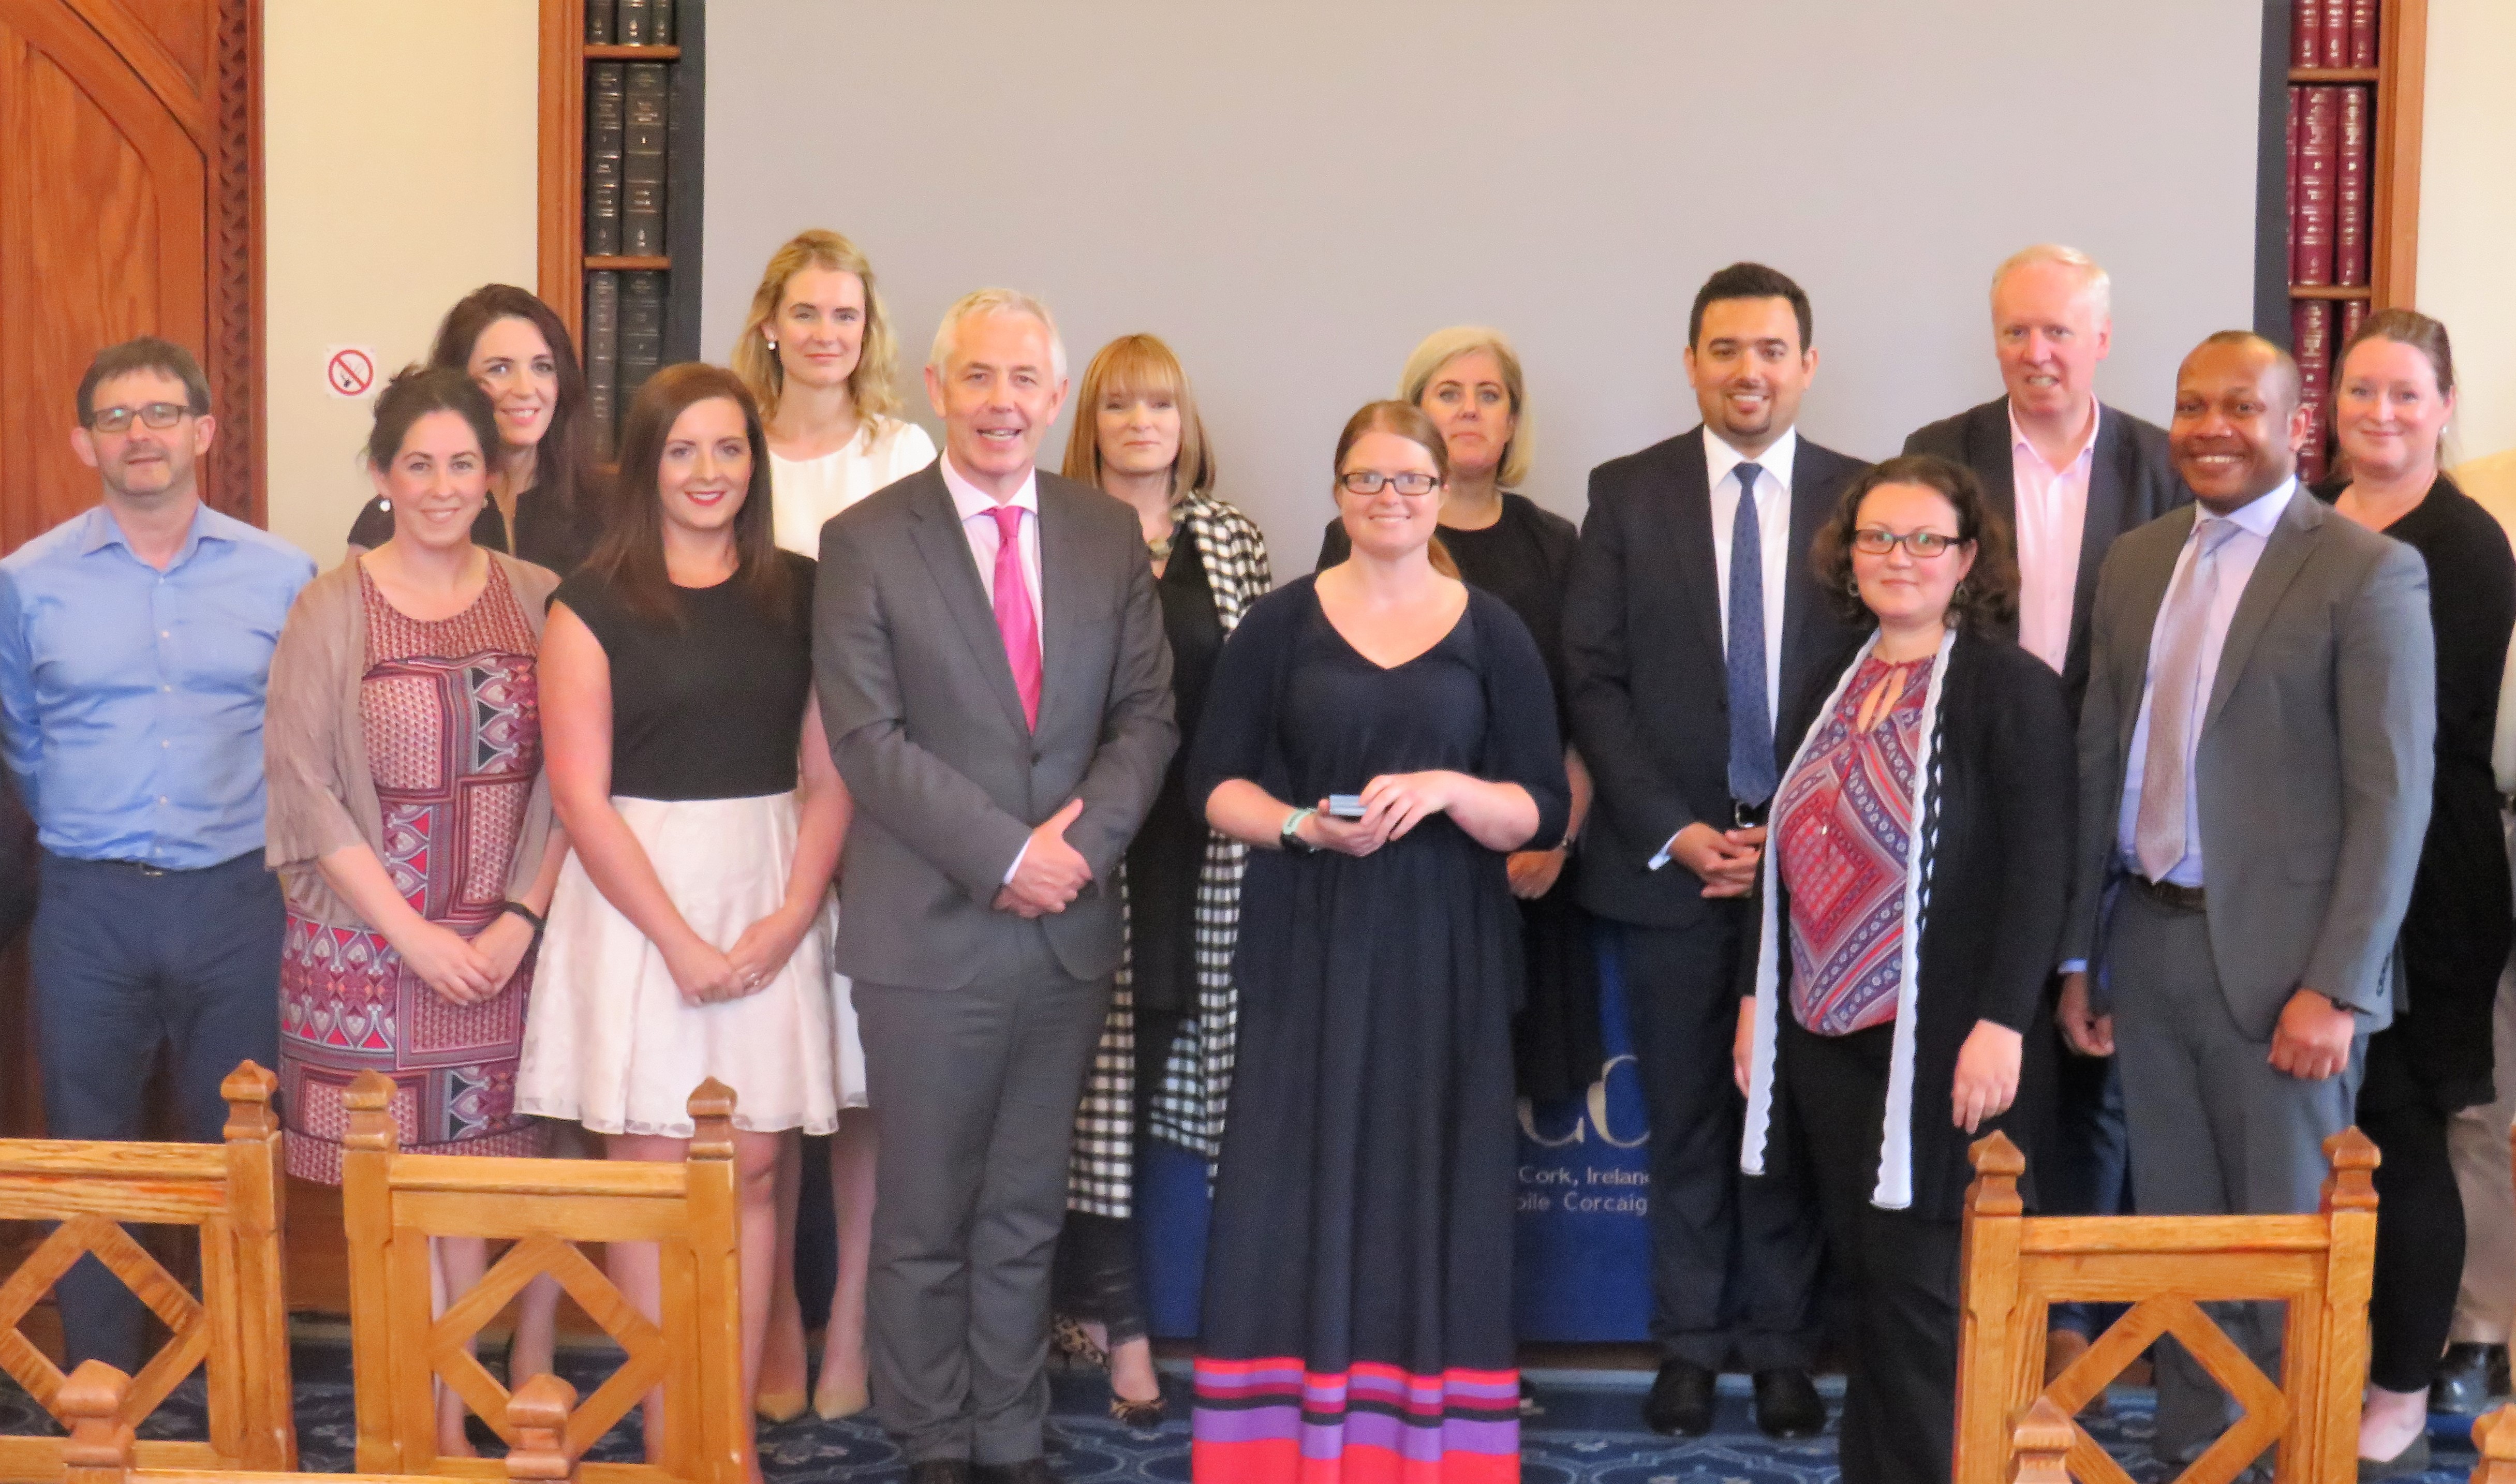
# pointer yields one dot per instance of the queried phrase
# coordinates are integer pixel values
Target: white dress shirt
(2052, 520)
(977, 508)
(2237, 560)
(1773, 540)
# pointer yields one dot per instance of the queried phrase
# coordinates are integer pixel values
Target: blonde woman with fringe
(818, 353)
(1165, 1064)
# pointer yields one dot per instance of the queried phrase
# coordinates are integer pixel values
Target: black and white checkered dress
(1197, 1081)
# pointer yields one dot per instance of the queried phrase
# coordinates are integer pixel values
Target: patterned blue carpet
(1589, 1431)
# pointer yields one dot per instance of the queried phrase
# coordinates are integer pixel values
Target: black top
(711, 706)
(2002, 815)
(545, 536)
(1523, 559)
(1168, 852)
(2457, 929)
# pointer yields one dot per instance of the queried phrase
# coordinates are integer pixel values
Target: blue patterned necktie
(1753, 775)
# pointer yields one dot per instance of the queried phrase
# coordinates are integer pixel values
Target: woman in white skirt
(690, 934)
(818, 353)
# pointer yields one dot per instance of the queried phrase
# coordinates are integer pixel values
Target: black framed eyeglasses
(1877, 541)
(1368, 482)
(154, 413)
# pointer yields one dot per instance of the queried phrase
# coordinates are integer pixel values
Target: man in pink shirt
(2069, 474)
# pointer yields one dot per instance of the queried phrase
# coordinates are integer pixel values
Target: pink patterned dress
(1843, 824)
(452, 720)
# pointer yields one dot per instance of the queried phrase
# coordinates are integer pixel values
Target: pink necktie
(1014, 617)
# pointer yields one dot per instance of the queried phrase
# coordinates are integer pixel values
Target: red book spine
(2296, 127)
(2362, 33)
(2306, 33)
(2354, 313)
(2312, 322)
(2336, 31)
(2350, 191)
(2317, 165)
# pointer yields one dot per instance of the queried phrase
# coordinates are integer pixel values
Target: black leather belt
(2172, 896)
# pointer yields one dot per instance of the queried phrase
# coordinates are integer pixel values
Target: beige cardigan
(315, 748)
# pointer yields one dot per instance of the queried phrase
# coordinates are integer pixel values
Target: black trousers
(1734, 1260)
(1899, 1395)
(1098, 1276)
(2419, 1221)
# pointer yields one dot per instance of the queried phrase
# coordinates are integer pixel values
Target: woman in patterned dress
(409, 820)
(1164, 1063)
(1911, 908)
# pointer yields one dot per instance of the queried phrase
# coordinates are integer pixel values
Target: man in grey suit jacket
(2255, 751)
(995, 683)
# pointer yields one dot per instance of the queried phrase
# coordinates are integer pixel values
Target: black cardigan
(2001, 814)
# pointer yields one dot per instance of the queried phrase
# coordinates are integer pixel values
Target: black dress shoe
(940, 1472)
(2462, 1385)
(1680, 1400)
(1028, 1472)
(1788, 1405)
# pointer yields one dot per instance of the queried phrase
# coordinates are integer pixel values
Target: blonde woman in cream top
(809, 491)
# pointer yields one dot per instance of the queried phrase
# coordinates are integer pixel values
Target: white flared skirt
(610, 1043)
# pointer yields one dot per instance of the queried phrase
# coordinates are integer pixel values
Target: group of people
(995, 821)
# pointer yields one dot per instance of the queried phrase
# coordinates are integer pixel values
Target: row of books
(2327, 33)
(628, 118)
(624, 342)
(639, 22)
(2331, 149)
(2320, 328)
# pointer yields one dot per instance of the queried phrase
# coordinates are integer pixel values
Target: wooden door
(129, 204)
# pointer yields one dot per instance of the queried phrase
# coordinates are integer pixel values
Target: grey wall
(1292, 192)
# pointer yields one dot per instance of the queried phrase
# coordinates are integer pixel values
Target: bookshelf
(2349, 76)
(647, 283)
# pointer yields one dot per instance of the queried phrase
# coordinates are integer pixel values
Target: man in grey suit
(995, 683)
(2255, 751)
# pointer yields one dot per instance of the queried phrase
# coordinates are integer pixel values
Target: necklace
(1160, 545)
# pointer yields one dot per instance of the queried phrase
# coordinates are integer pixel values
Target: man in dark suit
(2068, 474)
(2256, 754)
(1691, 614)
(995, 683)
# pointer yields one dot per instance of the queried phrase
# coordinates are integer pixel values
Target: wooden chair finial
(2352, 1184)
(537, 1418)
(92, 1399)
(2494, 1436)
(2040, 1442)
(369, 1101)
(248, 1091)
(1997, 1165)
(712, 1121)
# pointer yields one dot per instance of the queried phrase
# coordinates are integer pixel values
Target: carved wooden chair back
(2012, 1425)
(236, 1330)
(401, 1347)
(99, 1449)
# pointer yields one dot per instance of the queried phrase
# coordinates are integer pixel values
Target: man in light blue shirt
(135, 649)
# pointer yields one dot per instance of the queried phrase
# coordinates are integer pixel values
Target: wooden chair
(99, 1449)
(236, 1330)
(2012, 1428)
(2493, 1437)
(394, 1202)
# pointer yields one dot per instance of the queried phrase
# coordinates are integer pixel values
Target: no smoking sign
(350, 371)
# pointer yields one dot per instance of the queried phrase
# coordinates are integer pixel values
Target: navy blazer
(1642, 659)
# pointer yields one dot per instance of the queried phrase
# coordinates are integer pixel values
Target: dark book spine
(641, 210)
(2317, 163)
(602, 354)
(2306, 33)
(659, 23)
(642, 331)
(607, 113)
(2296, 114)
(2363, 33)
(2354, 313)
(629, 27)
(2350, 191)
(2335, 28)
(598, 23)
(2313, 320)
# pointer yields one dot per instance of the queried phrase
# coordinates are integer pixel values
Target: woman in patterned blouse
(1912, 910)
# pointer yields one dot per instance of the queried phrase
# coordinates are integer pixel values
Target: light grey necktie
(2161, 830)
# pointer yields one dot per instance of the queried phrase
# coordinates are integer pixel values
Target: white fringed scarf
(1894, 1188)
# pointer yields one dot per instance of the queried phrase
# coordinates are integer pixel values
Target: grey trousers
(977, 1089)
(2214, 1131)
(2476, 1139)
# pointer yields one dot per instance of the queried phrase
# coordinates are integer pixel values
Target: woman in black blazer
(1911, 907)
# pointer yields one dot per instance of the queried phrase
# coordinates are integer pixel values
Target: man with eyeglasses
(1690, 615)
(2068, 474)
(134, 646)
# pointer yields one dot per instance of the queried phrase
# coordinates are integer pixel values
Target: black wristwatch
(532, 919)
(1290, 835)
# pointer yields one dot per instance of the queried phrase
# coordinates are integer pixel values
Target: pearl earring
(772, 345)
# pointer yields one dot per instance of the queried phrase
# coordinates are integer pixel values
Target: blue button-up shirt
(133, 697)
